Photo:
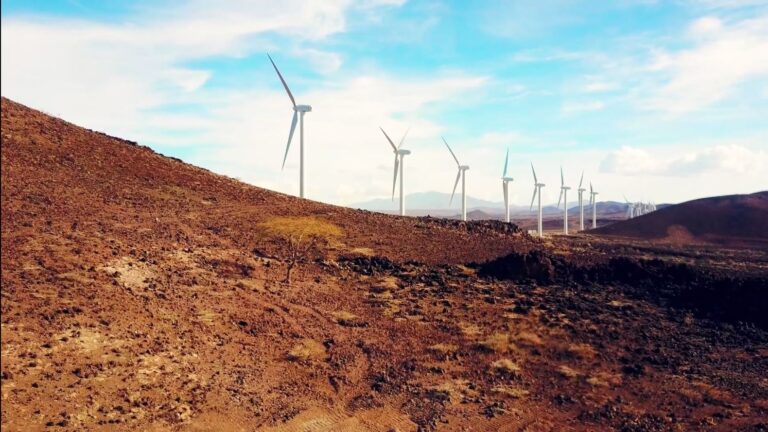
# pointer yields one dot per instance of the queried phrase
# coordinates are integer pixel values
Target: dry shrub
(307, 350)
(300, 238)
(497, 342)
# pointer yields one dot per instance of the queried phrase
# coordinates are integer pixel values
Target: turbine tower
(581, 191)
(630, 208)
(593, 203)
(505, 181)
(537, 192)
(564, 194)
(399, 159)
(303, 109)
(463, 175)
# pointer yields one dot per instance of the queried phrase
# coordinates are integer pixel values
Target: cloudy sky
(655, 100)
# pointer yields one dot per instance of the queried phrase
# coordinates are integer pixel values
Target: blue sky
(661, 100)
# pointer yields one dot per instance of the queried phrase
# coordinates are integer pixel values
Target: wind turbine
(581, 202)
(505, 181)
(463, 175)
(630, 208)
(399, 159)
(593, 202)
(303, 109)
(564, 194)
(537, 192)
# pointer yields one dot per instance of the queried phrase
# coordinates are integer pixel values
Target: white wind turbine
(463, 175)
(630, 208)
(296, 118)
(564, 195)
(505, 180)
(537, 192)
(593, 203)
(581, 191)
(399, 159)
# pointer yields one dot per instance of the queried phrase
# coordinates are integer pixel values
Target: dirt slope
(137, 295)
(732, 219)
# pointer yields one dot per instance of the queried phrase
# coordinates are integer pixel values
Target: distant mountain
(426, 201)
(730, 219)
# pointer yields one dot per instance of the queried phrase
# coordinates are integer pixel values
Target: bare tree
(300, 238)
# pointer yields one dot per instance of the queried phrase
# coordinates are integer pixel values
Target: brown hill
(141, 293)
(731, 220)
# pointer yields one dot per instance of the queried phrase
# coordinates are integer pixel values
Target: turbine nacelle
(302, 108)
(403, 152)
(507, 179)
(463, 167)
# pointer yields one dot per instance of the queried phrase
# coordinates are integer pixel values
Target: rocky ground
(137, 294)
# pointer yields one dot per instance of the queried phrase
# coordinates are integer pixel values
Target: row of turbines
(400, 153)
(639, 208)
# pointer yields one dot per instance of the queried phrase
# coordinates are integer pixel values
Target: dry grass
(498, 343)
(307, 350)
(443, 350)
(513, 392)
(567, 372)
(528, 339)
(506, 365)
(604, 379)
(582, 351)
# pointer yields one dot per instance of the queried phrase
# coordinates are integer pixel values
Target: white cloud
(723, 159)
(723, 56)
(586, 106)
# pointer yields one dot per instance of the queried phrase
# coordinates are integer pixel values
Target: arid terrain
(139, 293)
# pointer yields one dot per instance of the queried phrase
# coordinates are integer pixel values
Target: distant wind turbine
(564, 195)
(593, 202)
(399, 159)
(537, 192)
(463, 175)
(581, 191)
(505, 181)
(296, 118)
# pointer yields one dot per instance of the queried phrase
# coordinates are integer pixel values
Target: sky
(653, 100)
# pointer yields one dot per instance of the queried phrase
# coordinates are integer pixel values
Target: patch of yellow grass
(506, 365)
(604, 379)
(528, 338)
(307, 350)
(567, 372)
(513, 392)
(497, 342)
(469, 330)
(367, 252)
(443, 349)
(582, 351)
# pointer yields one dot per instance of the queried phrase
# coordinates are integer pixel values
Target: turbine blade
(402, 140)
(394, 177)
(590, 187)
(452, 154)
(458, 176)
(290, 135)
(290, 95)
(506, 163)
(562, 180)
(388, 139)
(533, 198)
(560, 198)
(581, 179)
(535, 180)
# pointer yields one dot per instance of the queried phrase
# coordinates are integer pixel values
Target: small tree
(300, 238)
